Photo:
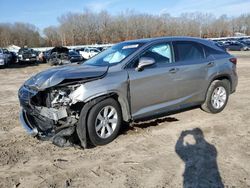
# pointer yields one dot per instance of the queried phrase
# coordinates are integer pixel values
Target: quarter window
(188, 51)
(211, 51)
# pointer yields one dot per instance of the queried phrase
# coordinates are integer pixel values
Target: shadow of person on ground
(201, 169)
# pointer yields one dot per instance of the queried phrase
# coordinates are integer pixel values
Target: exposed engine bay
(54, 112)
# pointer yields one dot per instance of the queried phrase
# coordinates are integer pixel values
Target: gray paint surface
(150, 91)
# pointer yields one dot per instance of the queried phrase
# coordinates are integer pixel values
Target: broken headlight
(60, 98)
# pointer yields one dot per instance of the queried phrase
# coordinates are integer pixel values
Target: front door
(154, 87)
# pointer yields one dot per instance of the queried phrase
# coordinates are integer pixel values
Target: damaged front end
(52, 101)
(51, 114)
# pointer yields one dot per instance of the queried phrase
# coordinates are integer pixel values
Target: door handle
(210, 64)
(173, 70)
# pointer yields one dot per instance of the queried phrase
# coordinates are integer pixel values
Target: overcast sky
(45, 12)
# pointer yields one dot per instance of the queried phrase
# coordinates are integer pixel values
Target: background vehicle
(89, 52)
(74, 56)
(237, 46)
(8, 56)
(62, 55)
(27, 55)
(3, 58)
(46, 55)
(58, 56)
(221, 45)
(245, 42)
(41, 57)
(130, 81)
(13, 58)
(79, 50)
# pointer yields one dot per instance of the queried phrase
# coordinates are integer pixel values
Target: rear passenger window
(187, 51)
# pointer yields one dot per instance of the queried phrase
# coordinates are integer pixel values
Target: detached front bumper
(37, 126)
(32, 131)
(58, 139)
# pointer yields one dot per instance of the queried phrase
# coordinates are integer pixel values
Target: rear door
(192, 68)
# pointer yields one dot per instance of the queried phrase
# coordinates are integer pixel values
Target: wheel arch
(219, 77)
(122, 101)
(207, 104)
(222, 77)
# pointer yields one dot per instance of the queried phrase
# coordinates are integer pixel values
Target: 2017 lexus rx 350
(132, 80)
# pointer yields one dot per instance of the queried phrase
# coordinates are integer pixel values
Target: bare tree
(90, 28)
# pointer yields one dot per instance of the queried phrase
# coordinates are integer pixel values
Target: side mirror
(144, 62)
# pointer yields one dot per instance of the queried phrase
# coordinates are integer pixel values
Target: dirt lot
(150, 154)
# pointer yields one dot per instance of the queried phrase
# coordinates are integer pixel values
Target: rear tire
(104, 122)
(217, 96)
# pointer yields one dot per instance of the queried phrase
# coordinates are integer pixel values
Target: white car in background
(89, 52)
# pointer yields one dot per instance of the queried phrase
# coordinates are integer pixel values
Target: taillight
(233, 60)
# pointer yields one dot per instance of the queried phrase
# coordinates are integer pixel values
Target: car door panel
(191, 80)
(151, 88)
(169, 86)
(194, 66)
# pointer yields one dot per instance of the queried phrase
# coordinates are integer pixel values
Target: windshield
(26, 50)
(114, 55)
(73, 53)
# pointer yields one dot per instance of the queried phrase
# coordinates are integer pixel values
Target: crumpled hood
(55, 76)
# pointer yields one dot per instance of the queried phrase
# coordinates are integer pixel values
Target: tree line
(21, 34)
(91, 28)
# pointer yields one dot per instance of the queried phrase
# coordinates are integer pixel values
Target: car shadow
(145, 124)
(153, 120)
(201, 169)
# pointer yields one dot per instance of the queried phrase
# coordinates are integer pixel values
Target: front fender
(119, 97)
(113, 84)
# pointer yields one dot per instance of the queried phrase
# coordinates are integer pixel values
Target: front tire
(217, 96)
(104, 121)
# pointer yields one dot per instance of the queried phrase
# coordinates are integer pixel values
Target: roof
(171, 38)
(145, 40)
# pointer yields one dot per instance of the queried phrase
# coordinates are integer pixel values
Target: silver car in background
(130, 81)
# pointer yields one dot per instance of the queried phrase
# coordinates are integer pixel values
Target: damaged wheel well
(122, 102)
(123, 105)
(81, 126)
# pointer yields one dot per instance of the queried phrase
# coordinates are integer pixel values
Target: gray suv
(130, 81)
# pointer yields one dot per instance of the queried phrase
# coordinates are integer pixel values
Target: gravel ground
(192, 148)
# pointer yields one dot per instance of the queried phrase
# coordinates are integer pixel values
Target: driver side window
(161, 53)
